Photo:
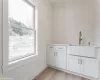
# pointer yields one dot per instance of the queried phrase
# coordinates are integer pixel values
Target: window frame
(6, 65)
(34, 30)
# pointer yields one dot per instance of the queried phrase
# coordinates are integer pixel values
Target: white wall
(30, 70)
(97, 22)
(97, 27)
(70, 18)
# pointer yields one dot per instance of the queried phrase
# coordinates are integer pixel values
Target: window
(21, 21)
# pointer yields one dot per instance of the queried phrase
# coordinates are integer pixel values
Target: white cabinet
(57, 56)
(51, 60)
(86, 51)
(73, 64)
(90, 67)
(77, 59)
(61, 59)
(82, 65)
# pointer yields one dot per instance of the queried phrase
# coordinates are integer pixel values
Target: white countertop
(59, 44)
(72, 45)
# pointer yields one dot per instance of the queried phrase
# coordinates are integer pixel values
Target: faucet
(80, 37)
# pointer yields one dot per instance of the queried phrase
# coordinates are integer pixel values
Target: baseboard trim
(91, 78)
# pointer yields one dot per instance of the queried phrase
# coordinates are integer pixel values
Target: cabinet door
(51, 60)
(90, 67)
(73, 63)
(61, 59)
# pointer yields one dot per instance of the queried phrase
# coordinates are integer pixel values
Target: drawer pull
(60, 48)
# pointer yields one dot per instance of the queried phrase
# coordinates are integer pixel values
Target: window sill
(23, 61)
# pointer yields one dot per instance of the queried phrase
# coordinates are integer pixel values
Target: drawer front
(59, 48)
(85, 51)
(51, 48)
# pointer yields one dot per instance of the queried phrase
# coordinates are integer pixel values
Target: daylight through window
(21, 20)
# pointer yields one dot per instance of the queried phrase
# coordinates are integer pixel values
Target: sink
(86, 51)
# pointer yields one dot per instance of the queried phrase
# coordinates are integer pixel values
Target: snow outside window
(21, 21)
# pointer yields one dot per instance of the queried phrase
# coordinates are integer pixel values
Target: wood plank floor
(53, 74)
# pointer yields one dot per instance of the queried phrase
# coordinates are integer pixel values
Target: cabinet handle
(78, 61)
(56, 53)
(60, 48)
(51, 47)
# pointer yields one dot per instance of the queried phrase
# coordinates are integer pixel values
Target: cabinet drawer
(57, 48)
(60, 48)
(51, 48)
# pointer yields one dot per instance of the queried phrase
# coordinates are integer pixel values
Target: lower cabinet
(61, 59)
(51, 58)
(73, 64)
(57, 57)
(90, 67)
(82, 65)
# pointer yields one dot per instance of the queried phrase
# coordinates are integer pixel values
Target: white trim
(34, 31)
(21, 62)
(31, 2)
(21, 57)
(2, 77)
(74, 73)
(5, 36)
(1, 43)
